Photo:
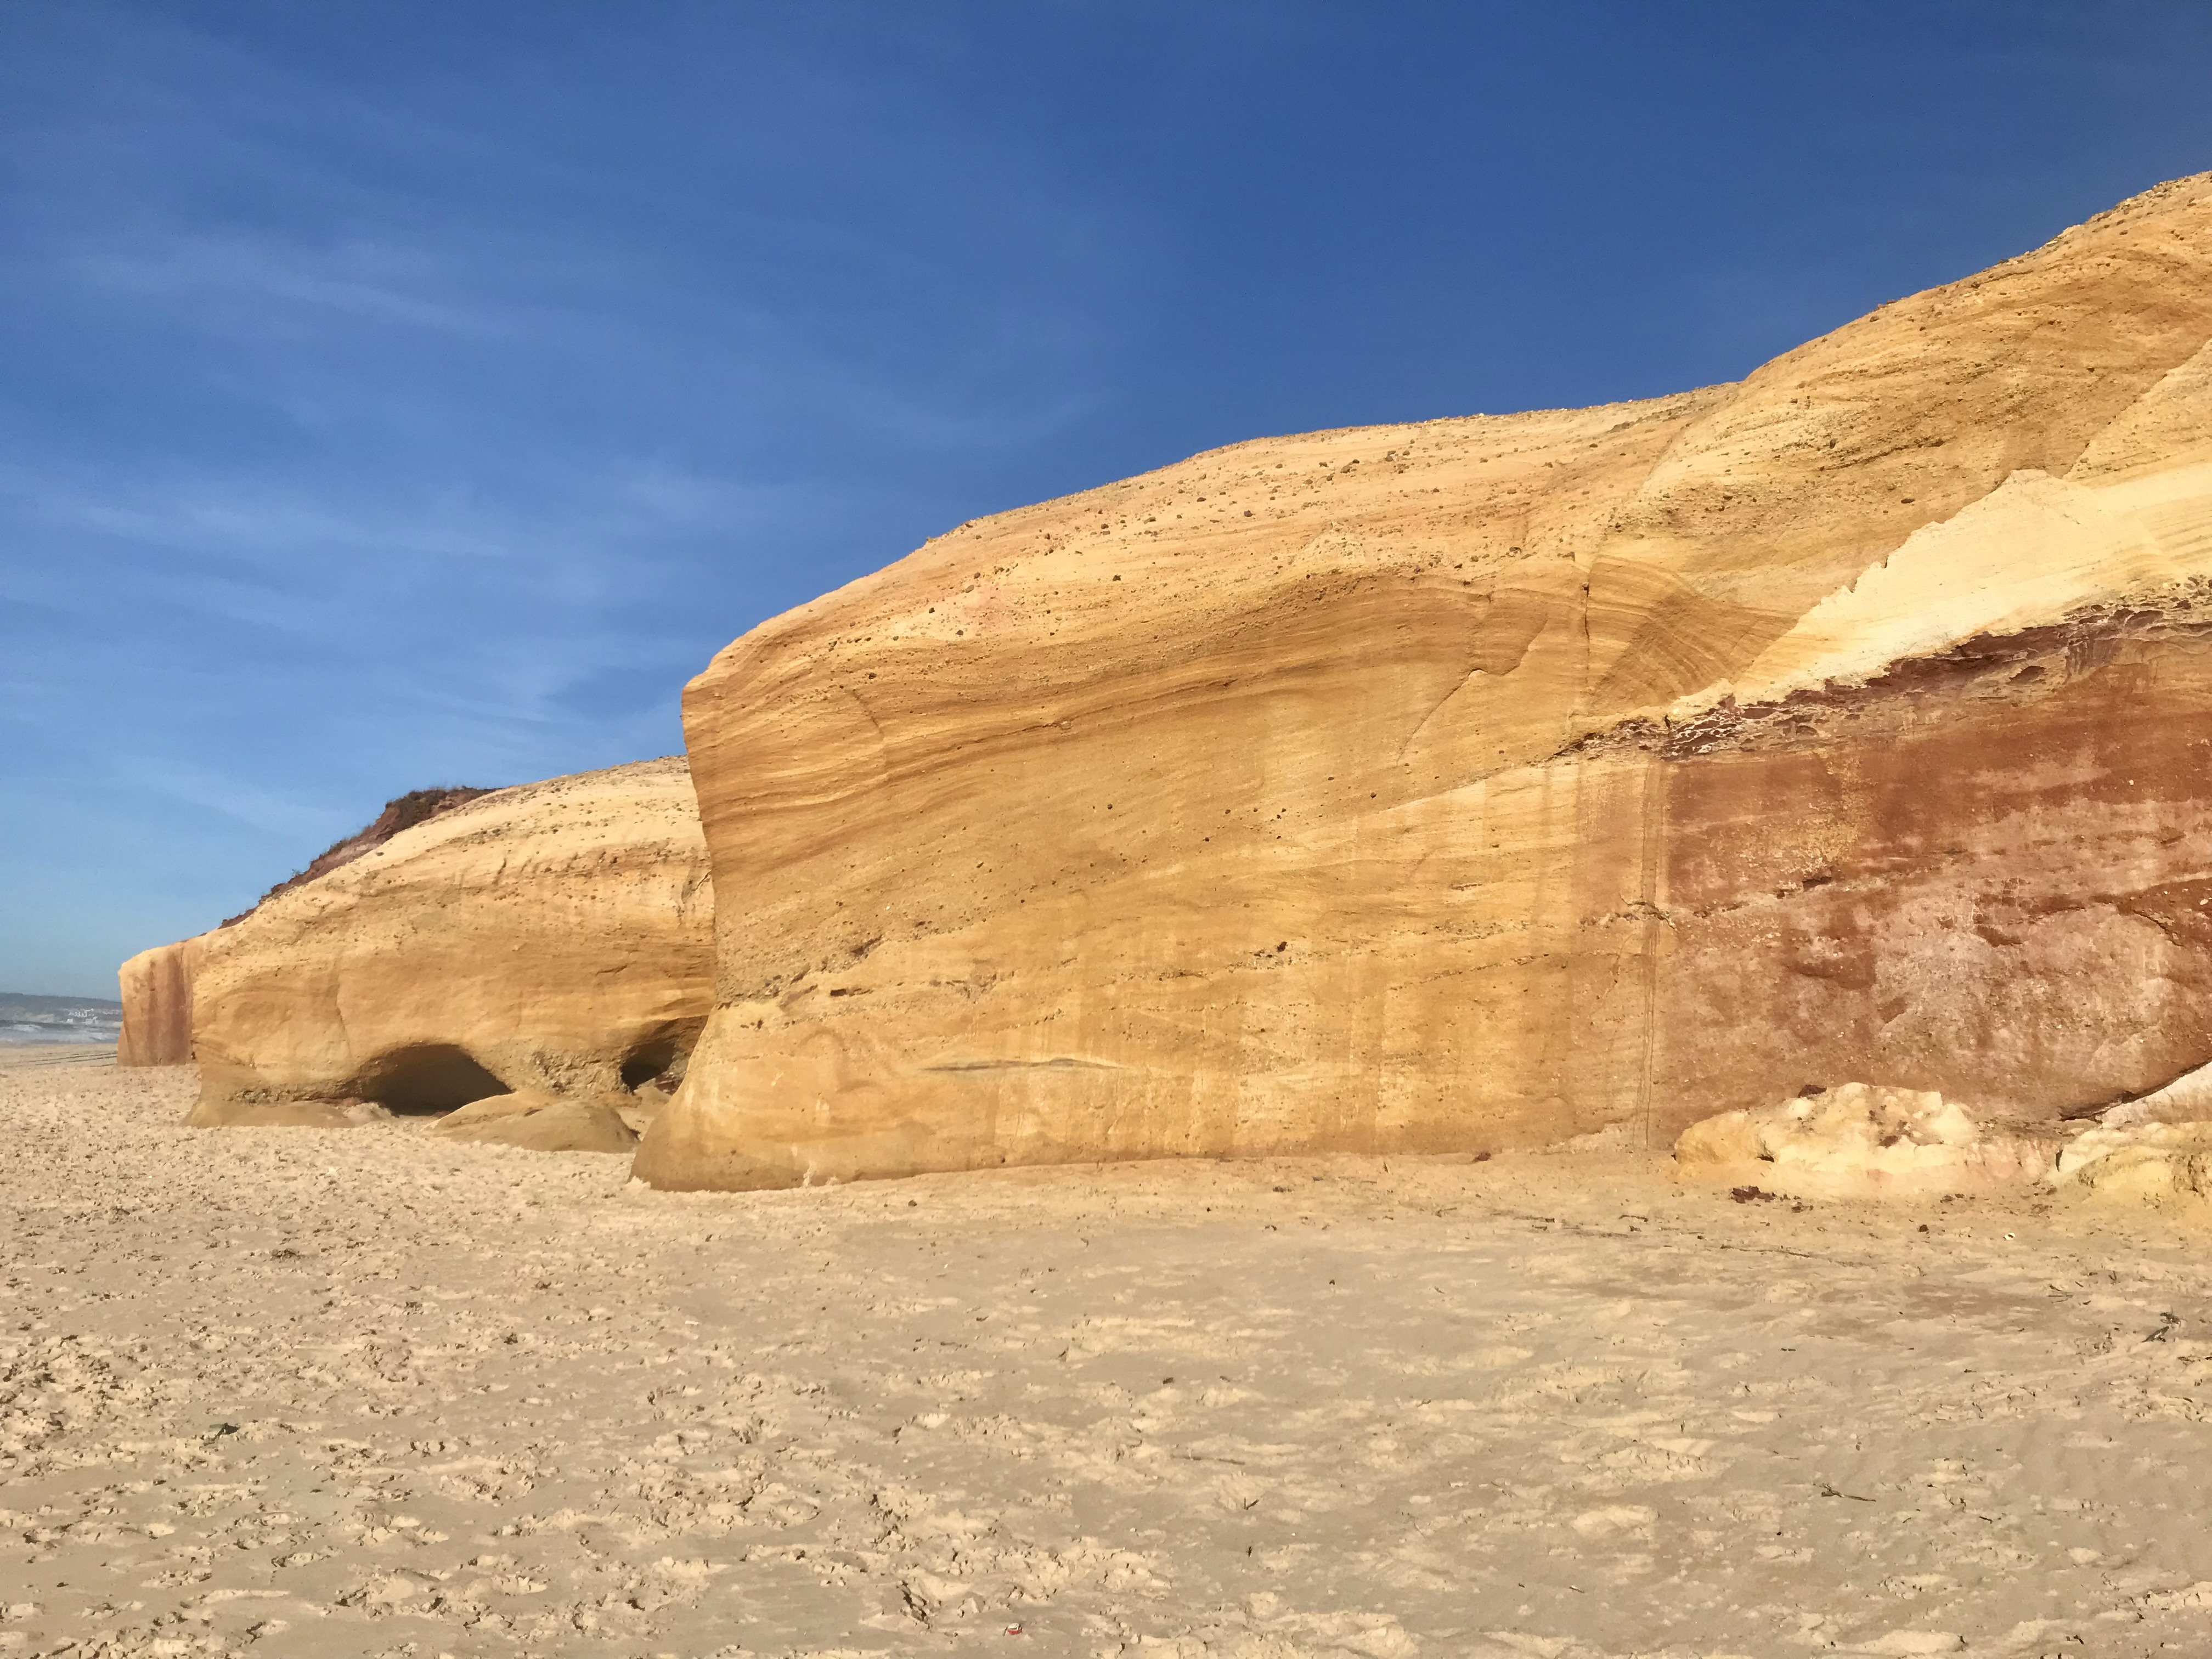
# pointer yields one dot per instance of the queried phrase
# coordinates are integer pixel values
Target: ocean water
(12, 1034)
(27, 1019)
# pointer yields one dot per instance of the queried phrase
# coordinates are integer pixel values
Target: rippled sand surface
(288, 1392)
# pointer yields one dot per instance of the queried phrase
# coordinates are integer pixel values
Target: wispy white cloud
(286, 528)
(495, 614)
(393, 438)
(236, 794)
(268, 286)
(296, 528)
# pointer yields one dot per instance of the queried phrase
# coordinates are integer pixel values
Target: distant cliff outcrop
(471, 943)
(156, 987)
(557, 935)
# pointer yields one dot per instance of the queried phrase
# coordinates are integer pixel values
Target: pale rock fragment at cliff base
(539, 1121)
(342, 1114)
(1862, 1140)
(2147, 1163)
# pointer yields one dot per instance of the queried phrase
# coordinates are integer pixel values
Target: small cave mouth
(661, 1058)
(650, 1063)
(427, 1077)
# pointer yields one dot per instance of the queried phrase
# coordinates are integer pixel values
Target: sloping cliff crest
(553, 936)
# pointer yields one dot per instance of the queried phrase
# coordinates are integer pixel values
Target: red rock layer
(1986, 873)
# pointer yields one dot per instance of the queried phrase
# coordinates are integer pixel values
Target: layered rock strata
(1487, 781)
(553, 937)
(403, 813)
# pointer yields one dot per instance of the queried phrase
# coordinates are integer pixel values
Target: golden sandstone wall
(1485, 781)
(554, 936)
(155, 986)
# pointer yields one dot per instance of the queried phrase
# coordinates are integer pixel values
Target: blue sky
(397, 393)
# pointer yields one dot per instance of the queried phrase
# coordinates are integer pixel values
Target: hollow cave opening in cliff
(660, 1057)
(427, 1078)
(653, 1062)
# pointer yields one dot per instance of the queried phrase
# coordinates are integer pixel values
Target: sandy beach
(362, 1393)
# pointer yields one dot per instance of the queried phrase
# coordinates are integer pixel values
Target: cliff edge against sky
(552, 936)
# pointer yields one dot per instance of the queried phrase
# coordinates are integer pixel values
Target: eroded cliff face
(155, 986)
(554, 936)
(1486, 782)
(1986, 872)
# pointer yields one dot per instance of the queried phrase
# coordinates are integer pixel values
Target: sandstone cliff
(156, 985)
(1489, 781)
(415, 806)
(156, 989)
(554, 936)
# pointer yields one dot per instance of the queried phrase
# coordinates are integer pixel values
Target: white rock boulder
(1862, 1140)
(2158, 1164)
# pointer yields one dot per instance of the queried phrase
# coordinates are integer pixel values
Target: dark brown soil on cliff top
(415, 806)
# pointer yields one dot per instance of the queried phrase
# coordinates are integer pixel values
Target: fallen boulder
(1862, 1140)
(540, 1122)
(283, 1113)
(638, 1107)
(2154, 1163)
(2187, 1099)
